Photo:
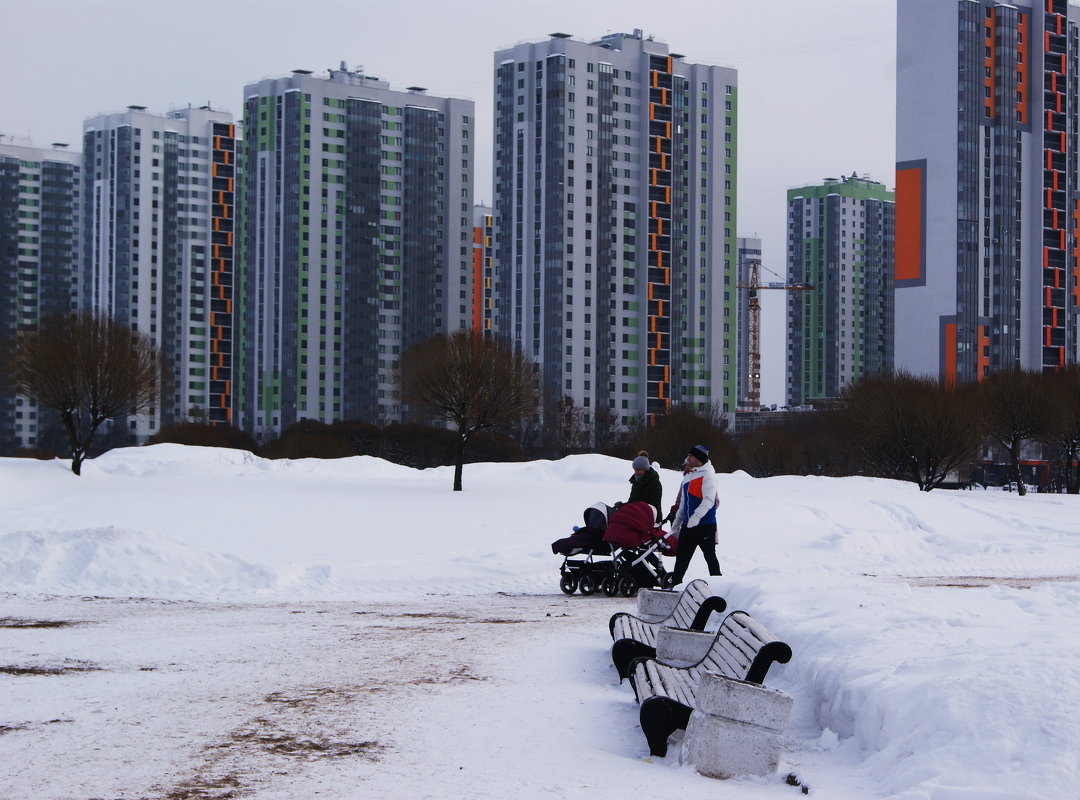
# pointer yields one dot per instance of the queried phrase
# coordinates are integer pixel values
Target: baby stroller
(581, 570)
(637, 542)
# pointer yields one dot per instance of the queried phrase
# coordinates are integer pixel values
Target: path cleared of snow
(449, 696)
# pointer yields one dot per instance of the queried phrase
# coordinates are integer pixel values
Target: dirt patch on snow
(978, 581)
(14, 622)
(64, 668)
(221, 701)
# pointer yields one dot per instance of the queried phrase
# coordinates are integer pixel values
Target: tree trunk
(459, 461)
(77, 453)
(1014, 458)
(1072, 471)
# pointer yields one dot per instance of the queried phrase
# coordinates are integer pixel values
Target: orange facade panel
(990, 66)
(950, 354)
(1076, 254)
(478, 286)
(1023, 30)
(908, 264)
(983, 355)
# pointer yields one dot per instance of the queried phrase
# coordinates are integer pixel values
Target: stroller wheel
(568, 584)
(610, 586)
(667, 581)
(587, 585)
(627, 586)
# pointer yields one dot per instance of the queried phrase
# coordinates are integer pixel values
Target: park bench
(740, 649)
(635, 636)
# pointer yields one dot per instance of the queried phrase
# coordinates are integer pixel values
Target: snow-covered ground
(200, 623)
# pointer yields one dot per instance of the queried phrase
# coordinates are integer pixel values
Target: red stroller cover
(633, 525)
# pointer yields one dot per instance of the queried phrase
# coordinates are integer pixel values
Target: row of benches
(674, 625)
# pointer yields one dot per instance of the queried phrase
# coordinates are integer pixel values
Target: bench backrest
(743, 649)
(685, 614)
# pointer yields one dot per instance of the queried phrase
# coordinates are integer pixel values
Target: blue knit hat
(641, 462)
(700, 452)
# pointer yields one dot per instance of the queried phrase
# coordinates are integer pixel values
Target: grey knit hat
(641, 462)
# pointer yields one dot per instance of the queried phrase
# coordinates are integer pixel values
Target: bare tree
(88, 367)
(473, 381)
(911, 428)
(668, 440)
(1062, 395)
(566, 427)
(770, 450)
(1014, 411)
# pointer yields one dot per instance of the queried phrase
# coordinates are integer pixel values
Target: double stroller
(617, 551)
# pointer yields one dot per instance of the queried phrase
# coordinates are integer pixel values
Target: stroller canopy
(632, 525)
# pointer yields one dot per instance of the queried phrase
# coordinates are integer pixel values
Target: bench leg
(626, 650)
(660, 717)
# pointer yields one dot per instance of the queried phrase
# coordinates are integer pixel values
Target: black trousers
(690, 539)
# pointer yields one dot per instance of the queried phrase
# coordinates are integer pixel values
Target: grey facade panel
(360, 307)
(421, 276)
(291, 326)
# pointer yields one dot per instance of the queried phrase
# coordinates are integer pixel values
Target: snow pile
(933, 633)
(112, 562)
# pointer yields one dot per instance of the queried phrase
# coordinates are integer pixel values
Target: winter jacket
(697, 499)
(647, 489)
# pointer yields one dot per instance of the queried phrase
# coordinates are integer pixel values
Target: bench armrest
(681, 647)
(654, 605)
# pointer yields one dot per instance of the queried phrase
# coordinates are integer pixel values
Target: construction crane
(753, 391)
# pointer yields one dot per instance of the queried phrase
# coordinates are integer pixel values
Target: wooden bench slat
(634, 637)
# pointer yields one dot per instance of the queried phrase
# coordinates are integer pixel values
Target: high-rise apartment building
(483, 271)
(158, 216)
(615, 186)
(840, 243)
(987, 186)
(39, 260)
(357, 244)
(748, 250)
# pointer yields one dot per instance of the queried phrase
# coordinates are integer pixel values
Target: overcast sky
(816, 77)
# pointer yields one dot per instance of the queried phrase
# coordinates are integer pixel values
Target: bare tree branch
(90, 368)
(470, 380)
(911, 428)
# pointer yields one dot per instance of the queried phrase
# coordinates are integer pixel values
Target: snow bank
(113, 562)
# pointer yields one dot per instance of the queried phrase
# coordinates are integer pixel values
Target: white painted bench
(666, 686)
(635, 636)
